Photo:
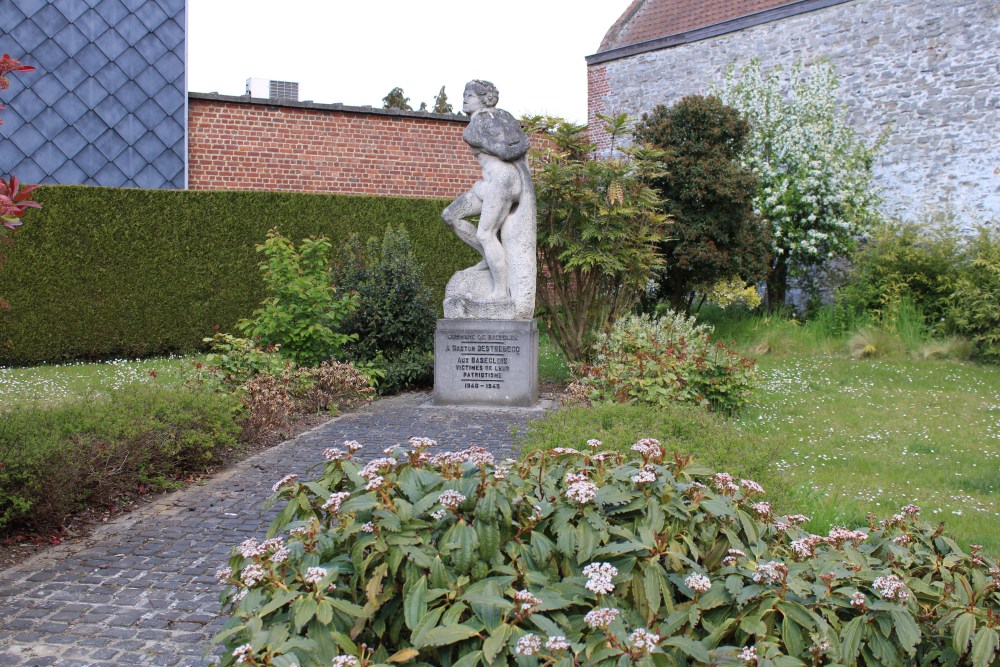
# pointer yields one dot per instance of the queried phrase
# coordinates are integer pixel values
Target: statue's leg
(496, 206)
(463, 207)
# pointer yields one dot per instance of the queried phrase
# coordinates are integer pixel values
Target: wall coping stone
(292, 104)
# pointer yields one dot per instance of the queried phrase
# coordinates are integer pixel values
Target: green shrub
(599, 228)
(902, 260)
(974, 300)
(666, 360)
(55, 460)
(572, 558)
(302, 314)
(396, 314)
(104, 272)
(233, 361)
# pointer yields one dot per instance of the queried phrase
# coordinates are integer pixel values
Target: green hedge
(101, 272)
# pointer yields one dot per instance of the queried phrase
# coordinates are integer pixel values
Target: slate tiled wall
(107, 104)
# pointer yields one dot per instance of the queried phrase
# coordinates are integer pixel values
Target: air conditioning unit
(273, 90)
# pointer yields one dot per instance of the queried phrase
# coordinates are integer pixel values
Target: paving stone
(141, 590)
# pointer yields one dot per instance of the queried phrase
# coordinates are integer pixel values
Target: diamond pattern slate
(106, 104)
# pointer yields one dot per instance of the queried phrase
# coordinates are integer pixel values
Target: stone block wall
(236, 143)
(930, 70)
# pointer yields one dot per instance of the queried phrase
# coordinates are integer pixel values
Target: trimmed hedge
(101, 272)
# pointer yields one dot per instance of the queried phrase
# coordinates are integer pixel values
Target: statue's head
(479, 94)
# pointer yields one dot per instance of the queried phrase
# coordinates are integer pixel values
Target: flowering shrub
(663, 360)
(586, 557)
(814, 172)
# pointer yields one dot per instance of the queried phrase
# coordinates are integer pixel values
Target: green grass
(552, 366)
(859, 436)
(57, 384)
(851, 436)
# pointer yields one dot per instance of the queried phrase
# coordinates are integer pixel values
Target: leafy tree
(396, 99)
(441, 103)
(707, 192)
(599, 229)
(814, 172)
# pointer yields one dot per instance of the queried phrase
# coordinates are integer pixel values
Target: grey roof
(107, 104)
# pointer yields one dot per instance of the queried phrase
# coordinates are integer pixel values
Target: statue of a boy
(502, 285)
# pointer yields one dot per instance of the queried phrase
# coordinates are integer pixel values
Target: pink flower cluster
(645, 476)
(731, 556)
(891, 588)
(557, 643)
(529, 644)
(451, 499)
(649, 448)
(527, 600)
(333, 503)
(749, 655)
(581, 489)
(699, 583)
(314, 575)
(287, 479)
(771, 572)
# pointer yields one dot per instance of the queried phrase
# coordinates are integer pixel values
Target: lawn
(859, 436)
(41, 385)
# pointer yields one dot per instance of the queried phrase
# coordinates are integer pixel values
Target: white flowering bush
(814, 172)
(578, 558)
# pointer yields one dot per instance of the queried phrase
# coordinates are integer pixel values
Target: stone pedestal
(488, 363)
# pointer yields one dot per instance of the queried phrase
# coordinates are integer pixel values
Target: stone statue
(502, 285)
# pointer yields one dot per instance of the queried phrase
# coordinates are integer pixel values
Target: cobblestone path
(142, 590)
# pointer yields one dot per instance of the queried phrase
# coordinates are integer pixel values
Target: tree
(599, 229)
(708, 194)
(396, 99)
(814, 172)
(441, 103)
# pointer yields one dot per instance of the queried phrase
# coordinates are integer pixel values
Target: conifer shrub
(393, 326)
(583, 557)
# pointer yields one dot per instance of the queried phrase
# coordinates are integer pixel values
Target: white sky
(356, 51)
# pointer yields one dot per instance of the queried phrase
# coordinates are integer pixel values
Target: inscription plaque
(486, 362)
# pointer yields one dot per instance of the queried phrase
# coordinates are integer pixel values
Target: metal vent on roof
(274, 90)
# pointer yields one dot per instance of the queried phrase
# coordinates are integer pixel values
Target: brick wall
(240, 144)
(597, 90)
